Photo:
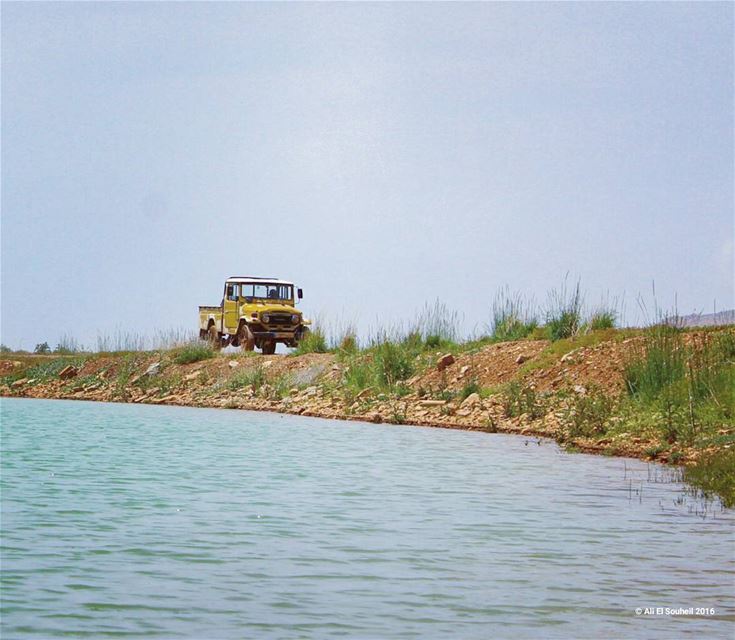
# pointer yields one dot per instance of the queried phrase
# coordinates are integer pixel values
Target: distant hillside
(707, 319)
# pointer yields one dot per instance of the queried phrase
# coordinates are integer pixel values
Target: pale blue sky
(381, 155)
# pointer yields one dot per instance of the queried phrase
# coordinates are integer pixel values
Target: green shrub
(42, 348)
(602, 319)
(433, 342)
(385, 365)
(393, 362)
(123, 374)
(193, 352)
(280, 387)
(588, 415)
(348, 344)
(469, 387)
(518, 399)
(313, 342)
(51, 369)
(254, 378)
(358, 374)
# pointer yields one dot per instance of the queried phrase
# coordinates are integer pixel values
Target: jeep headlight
(266, 318)
(295, 318)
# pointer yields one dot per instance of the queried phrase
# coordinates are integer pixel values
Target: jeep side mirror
(300, 293)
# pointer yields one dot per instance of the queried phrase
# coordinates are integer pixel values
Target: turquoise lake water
(164, 522)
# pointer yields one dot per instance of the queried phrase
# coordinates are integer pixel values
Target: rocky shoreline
(313, 385)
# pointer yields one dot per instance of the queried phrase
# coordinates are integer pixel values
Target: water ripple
(134, 521)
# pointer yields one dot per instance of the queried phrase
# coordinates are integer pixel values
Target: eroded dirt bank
(525, 387)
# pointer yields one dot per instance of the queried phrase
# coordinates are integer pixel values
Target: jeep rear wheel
(213, 337)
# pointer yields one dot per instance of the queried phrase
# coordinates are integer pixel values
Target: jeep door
(231, 308)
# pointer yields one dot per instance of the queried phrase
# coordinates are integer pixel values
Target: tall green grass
(387, 362)
(254, 378)
(514, 316)
(602, 319)
(192, 352)
(67, 345)
(313, 342)
(606, 314)
(713, 475)
(564, 311)
(684, 386)
(437, 324)
(690, 382)
(658, 364)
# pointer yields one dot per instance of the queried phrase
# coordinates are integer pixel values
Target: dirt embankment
(313, 384)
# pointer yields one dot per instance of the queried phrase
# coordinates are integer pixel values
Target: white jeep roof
(257, 280)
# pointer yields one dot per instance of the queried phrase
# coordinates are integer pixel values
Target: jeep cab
(254, 312)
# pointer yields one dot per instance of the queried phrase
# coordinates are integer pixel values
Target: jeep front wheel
(269, 347)
(245, 338)
(301, 334)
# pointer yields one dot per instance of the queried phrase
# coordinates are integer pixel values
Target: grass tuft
(564, 311)
(193, 352)
(713, 474)
(514, 316)
(313, 342)
(253, 378)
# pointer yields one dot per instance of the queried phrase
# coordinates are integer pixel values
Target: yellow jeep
(254, 312)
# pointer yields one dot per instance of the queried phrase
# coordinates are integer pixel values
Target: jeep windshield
(266, 291)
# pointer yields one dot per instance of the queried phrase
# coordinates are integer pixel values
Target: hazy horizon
(381, 155)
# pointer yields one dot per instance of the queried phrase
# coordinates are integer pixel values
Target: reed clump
(192, 352)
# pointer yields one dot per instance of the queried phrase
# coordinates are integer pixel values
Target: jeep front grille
(279, 318)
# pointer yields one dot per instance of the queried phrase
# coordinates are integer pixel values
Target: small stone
(522, 358)
(432, 403)
(19, 383)
(233, 363)
(192, 376)
(153, 370)
(580, 389)
(464, 370)
(310, 391)
(68, 372)
(446, 360)
(470, 401)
